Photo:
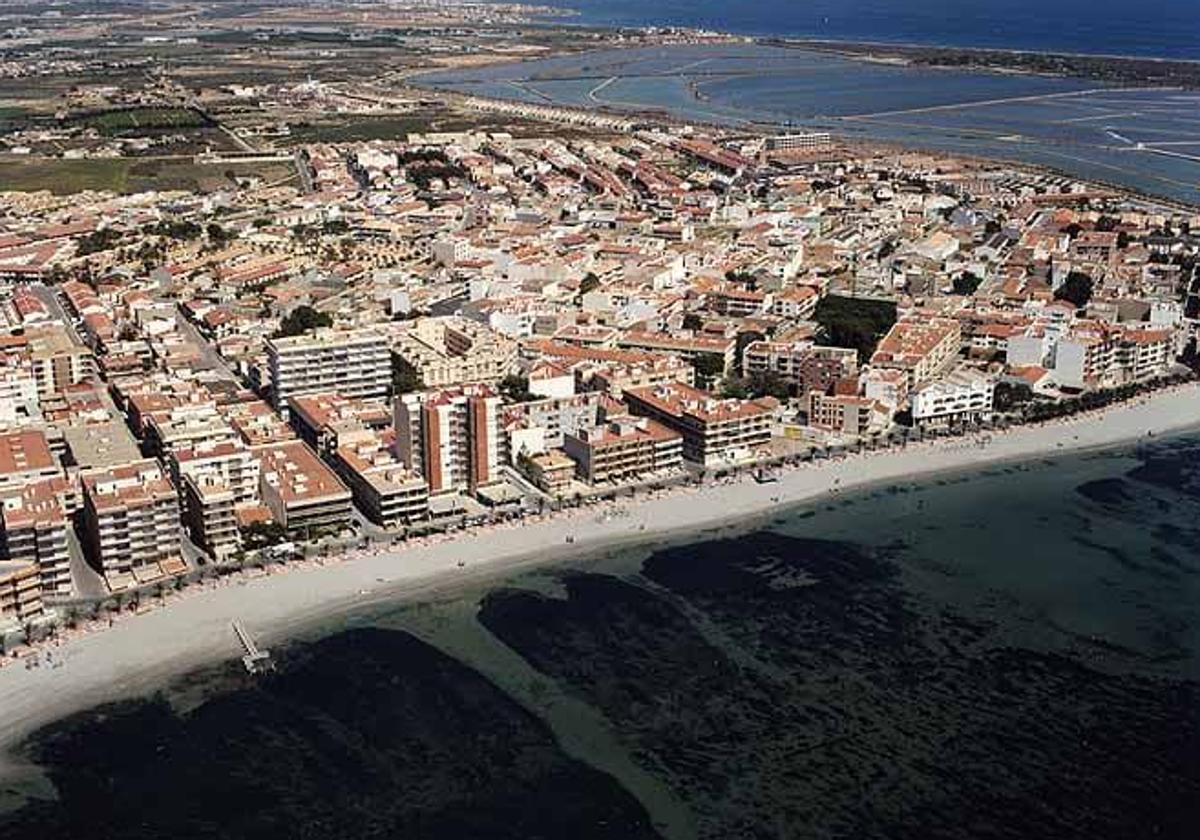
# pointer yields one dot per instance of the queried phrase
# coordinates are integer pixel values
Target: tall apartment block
(33, 529)
(922, 347)
(216, 480)
(303, 494)
(353, 363)
(20, 593)
(130, 517)
(628, 449)
(386, 491)
(714, 430)
(451, 437)
(58, 362)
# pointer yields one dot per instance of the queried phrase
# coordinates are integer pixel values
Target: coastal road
(592, 94)
(960, 106)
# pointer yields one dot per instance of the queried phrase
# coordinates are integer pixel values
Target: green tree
(709, 367)
(693, 322)
(736, 387)
(516, 388)
(184, 230)
(217, 234)
(759, 384)
(966, 283)
(744, 340)
(301, 320)
(405, 377)
(857, 323)
(590, 282)
(101, 240)
(1012, 394)
(258, 535)
(1076, 289)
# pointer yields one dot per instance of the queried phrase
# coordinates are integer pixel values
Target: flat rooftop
(101, 445)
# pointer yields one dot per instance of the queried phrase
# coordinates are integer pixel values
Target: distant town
(287, 306)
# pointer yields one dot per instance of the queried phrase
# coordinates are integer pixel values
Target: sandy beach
(193, 628)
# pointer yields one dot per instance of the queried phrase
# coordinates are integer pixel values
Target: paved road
(88, 582)
(210, 358)
(49, 296)
(305, 173)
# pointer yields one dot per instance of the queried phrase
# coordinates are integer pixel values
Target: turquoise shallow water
(1014, 653)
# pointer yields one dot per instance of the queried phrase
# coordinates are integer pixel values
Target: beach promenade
(140, 651)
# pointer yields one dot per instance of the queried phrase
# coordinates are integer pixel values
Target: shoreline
(837, 43)
(140, 652)
(571, 19)
(664, 115)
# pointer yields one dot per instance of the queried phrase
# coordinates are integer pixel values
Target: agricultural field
(142, 121)
(353, 129)
(11, 117)
(130, 175)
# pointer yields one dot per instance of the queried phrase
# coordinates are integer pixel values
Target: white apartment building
(57, 360)
(18, 389)
(186, 427)
(805, 140)
(450, 251)
(960, 398)
(353, 363)
(1034, 346)
(886, 387)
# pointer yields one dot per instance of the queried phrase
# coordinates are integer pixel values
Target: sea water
(1013, 652)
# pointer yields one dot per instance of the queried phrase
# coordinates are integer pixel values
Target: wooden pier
(256, 661)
